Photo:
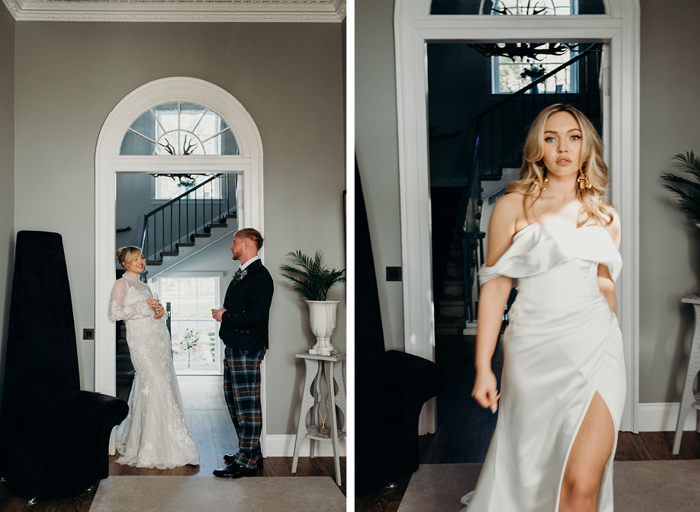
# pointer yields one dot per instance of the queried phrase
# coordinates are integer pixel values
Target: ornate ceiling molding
(290, 11)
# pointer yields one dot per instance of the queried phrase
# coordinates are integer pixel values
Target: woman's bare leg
(589, 454)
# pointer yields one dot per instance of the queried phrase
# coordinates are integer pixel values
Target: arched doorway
(414, 26)
(248, 163)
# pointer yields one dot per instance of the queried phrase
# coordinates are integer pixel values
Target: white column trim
(413, 28)
(108, 163)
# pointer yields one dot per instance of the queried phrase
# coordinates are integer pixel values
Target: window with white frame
(166, 187)
(518, 7)
(510, 76)
(196, 346)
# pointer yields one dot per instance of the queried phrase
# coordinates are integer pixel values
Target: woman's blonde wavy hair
(533, 172)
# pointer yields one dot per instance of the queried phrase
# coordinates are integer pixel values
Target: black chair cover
(53, 436)
(390, 386)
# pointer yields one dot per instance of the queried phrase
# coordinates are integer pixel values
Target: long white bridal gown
(155, 433)
(562, 345)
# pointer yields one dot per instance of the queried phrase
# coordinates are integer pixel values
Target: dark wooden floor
(465, 429)
(214, 435)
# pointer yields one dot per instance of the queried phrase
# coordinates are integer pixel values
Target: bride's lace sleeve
(118, 310)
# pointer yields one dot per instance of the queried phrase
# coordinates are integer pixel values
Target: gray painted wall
(288, 76)
(669, 245)
(134, 194)
(7, 177)
(376, 146)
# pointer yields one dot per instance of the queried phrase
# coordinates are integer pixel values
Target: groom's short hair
(251, 234)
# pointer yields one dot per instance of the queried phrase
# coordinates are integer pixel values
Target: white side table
(336, 404)
(689, 401)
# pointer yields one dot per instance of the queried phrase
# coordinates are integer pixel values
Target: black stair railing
(499, 137)
(191, 214)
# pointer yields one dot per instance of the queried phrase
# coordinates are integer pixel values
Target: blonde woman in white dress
(155, 433)
(563, 383)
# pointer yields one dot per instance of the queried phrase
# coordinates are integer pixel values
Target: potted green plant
(312, 280)
(687, 191)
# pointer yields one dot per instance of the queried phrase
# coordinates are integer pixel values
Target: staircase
(500, 132)
(188, 224)
(448, 270)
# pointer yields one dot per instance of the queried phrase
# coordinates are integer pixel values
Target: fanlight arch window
(179, 128)
(518, 7)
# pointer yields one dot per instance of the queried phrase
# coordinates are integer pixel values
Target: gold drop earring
(545, 179)
(583, 181)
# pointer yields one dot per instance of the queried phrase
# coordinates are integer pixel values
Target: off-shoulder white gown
(562, 345)
(155, 433)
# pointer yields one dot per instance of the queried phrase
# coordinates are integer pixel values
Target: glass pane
(145, 125)
(133, 144)
(513, 76)
(190, 114)
(188, 288)
(168, 144)
(167, 188)
(167, 115)
(204, 307)
(518, 7)
(211, 124)
(206, 288)
(229, 146)
(191, 145)
(169, 287)
(188, 308)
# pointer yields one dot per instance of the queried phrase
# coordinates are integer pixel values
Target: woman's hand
(158, 310)
(485, 390)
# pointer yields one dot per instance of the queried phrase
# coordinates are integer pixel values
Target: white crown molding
(261, 11)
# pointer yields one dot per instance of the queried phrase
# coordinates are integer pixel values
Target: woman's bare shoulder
(503, 225)
(510, 209)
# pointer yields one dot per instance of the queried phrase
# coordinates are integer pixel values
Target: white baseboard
(283, 446)
(662, 417)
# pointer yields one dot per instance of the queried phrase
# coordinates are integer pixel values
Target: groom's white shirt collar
(247, 263)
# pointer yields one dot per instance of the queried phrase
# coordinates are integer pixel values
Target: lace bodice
(129, 299)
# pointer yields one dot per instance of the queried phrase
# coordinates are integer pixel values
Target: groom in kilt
(244, 330)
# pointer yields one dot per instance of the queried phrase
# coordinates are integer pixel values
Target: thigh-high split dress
(562, 345)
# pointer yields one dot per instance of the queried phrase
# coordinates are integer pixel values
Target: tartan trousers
(242, 392)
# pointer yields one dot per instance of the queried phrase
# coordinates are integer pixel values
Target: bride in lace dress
(563, 382)
(155, 433)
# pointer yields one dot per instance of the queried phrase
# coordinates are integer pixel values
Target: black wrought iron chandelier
(523, 51)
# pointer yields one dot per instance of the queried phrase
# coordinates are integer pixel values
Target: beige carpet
(210, 494)
(653, 486)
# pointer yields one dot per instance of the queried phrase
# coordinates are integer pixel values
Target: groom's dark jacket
(244, 324)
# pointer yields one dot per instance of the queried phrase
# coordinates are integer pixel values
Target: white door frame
(108, 163)
(413, 28)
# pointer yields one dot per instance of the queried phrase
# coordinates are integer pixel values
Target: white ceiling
(312, 11)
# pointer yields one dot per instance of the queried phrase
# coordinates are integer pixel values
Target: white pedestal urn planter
(322, 317)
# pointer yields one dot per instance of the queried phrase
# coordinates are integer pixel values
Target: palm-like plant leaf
(310, 278)
(687, 191)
